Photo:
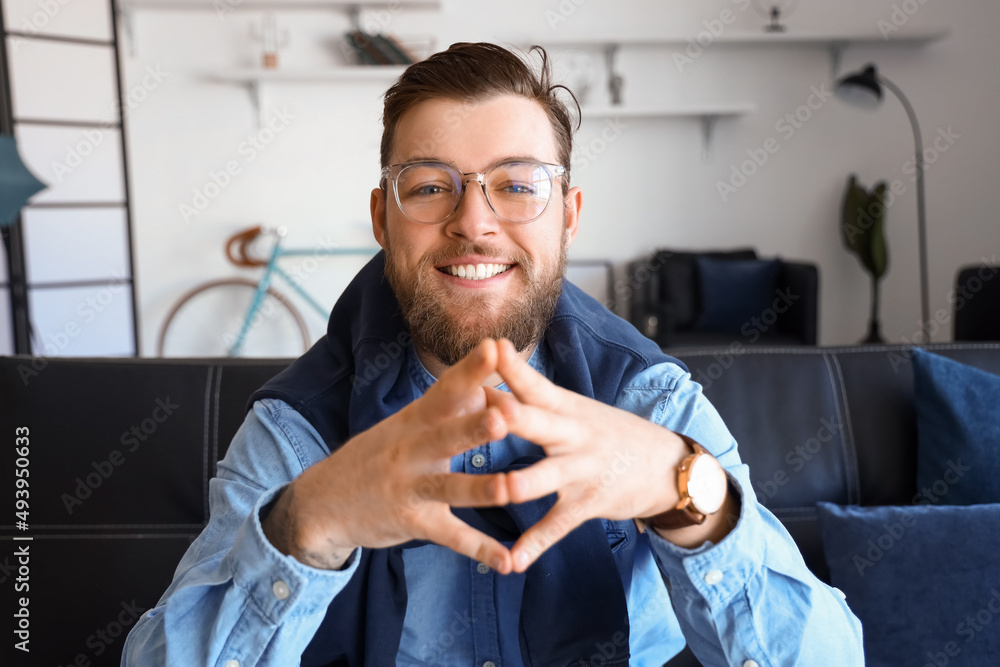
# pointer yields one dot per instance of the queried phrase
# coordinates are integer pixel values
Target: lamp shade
(17, 184)
(861, 89)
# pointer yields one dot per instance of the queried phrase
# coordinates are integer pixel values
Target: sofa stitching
(215, 426)
(851, 451)
(204, 448)
(681, 353)
(840, 417)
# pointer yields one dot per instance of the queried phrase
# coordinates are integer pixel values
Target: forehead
(474, 135)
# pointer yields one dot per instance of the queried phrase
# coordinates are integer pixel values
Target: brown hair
(473, 73)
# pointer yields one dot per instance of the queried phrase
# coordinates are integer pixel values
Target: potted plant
(862, 226)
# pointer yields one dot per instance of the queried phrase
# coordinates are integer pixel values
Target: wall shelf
(254, 80)
(279, 5)
(835, 43)
(706, 114)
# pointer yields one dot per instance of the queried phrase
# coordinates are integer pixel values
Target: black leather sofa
(120, 452)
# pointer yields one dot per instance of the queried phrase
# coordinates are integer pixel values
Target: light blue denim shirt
(748, 600)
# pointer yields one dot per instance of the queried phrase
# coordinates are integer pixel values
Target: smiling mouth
(475, 271)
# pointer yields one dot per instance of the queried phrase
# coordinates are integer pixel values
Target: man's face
(447, 314)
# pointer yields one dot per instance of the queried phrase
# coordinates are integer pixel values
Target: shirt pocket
(616, 533)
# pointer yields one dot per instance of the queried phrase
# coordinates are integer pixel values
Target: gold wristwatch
(702, 485)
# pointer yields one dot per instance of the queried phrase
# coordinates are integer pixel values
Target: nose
(474, 217)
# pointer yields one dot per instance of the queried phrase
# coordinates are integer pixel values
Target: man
(462, 471)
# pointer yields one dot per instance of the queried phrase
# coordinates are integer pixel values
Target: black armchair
(682, 299)
(977, 303)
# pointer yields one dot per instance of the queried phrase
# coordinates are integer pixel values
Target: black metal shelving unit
(17, 283)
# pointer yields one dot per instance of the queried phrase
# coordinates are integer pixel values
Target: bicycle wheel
(206, 321)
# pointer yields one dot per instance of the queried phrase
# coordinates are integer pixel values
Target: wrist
(281, 524)
(700, 490)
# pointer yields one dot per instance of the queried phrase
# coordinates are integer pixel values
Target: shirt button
(232, 663)
(750, 663)
(489, 663)
(482, 568)
(713, 577)
(479, 461)
(280, 590)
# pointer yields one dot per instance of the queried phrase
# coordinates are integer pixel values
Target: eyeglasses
(430, 192)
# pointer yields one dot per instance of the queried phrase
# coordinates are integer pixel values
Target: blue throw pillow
(733, 292)
(924, 580)
(958, 431)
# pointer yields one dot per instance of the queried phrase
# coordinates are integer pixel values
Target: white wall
(650, 187)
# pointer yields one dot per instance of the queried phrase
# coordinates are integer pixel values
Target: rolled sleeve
(749, 597)
(234, 595)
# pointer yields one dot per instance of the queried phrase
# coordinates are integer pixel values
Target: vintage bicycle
(240, 317)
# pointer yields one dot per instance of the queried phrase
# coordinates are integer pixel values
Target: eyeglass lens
(430, 192)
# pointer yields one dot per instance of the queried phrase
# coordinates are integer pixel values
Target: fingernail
(521, 561)
(496, 563)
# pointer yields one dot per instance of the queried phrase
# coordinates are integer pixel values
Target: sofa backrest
(121, 451)
(833, 424)
(120, 454)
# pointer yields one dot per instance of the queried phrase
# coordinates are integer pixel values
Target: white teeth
(476, 271)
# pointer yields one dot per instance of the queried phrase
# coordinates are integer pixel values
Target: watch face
(707, 485)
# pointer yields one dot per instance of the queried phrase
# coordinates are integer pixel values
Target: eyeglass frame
(477, 176)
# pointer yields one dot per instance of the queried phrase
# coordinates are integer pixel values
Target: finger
(465, 378)
(551, 528)
(527, 384)
(550, 475)
(450, 531)
(457, 434)
(542, 426)
(464, 490)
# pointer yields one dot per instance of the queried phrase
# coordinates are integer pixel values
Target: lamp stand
(925, 309)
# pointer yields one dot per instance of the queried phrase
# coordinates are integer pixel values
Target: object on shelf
(863, 228)
(271, 39)
(378, 49)
(615, 80)
(774, 12)
(582, 72)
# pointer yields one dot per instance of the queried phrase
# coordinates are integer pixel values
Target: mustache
(487, 250)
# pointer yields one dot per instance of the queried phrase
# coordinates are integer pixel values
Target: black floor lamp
(864, 89)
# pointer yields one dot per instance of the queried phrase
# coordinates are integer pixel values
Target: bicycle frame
(272, 268)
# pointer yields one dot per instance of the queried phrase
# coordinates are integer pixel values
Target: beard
(449, 328)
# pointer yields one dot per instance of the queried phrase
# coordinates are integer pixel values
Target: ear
(378, 215)
(573, 203)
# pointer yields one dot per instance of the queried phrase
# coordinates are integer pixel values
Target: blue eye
(426, 190)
